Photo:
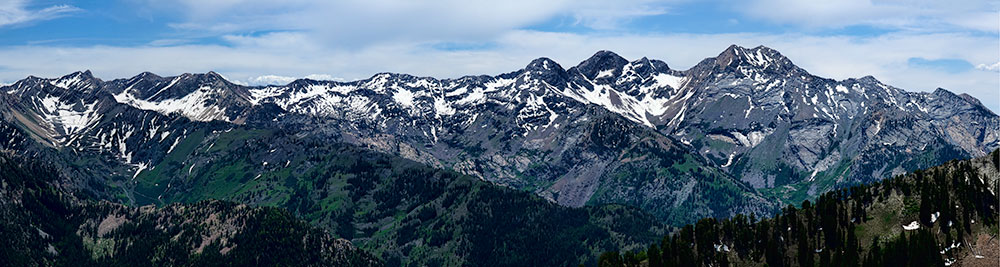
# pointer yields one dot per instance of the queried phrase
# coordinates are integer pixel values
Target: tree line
(948, 203)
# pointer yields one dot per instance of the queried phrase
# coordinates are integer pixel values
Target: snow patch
(473, 97)
(605, 73)
(177, 140)
(172, 82)
(730, 161)
(442, 107)
(65, 83)
(66, 116)
(605, 96)
(193, 106)
(403, 97)
(457, 92)
(664, 79)
(494, 85)
(310, 92)
(953, 246)
(256, 95)
(751, 139)
(142, 166)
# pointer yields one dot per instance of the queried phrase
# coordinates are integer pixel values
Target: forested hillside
(404, 212)
(43, 226)
(943, 215)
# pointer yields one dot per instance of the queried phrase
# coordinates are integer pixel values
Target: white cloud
(920, 15)
(359, 22)
(270, 80)
(282, 80)
(993, 67)
(14, 12)
(610, 14)
(814, 13)
(297, 41)
(323, 77)
(352, 24)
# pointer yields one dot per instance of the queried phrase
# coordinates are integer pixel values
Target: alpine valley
(540, 166)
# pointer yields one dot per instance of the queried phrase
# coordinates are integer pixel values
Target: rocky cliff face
(772, 124)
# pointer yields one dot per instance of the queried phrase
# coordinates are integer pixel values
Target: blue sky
(913, 44)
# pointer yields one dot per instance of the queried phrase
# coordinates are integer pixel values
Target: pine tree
(851, 248)
(667, 251)
(655, 258)
(874, 257)
(685, 252)
(706, 237)
(630, 259)
(824, 258)
(925, 204)
(804, 249)
(610, 259)
(774, 251)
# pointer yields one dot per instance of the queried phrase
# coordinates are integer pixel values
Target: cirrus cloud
(14, 12)
(915, 15)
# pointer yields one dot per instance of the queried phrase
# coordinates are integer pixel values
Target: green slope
(404, 212)
(43, 226)
(945, 214)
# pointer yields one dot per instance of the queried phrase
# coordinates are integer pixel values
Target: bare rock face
(809, 131)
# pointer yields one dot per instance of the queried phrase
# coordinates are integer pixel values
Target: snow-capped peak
(80, 80)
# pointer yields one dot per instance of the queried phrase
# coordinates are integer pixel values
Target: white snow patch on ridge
(57, 113)
(442, 107)
(457, 92)
(174, 81)
(140, 167)
(605, 73)
(751, 139)
(498, 83)
(192, 105)
(256, 95)
(664, 79)
(311, 91)
(403, 97)
(730, 161)
(66, 83)
(842, 89)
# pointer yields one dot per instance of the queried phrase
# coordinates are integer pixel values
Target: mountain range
(744, 132)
